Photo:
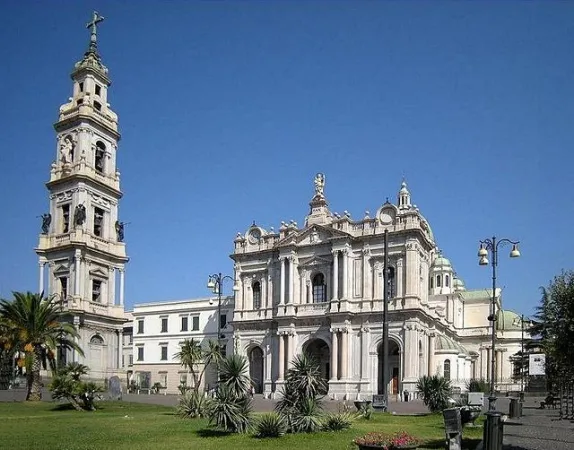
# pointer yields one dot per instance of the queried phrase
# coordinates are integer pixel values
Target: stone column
(408, 351)
(432, 368)
(412, 269)
(344, 353)
(120, 347)
(345, 293)
(41, 281)
(399, 278)
(334, 354)
(122, 287)
(292, 281)
(270, 291)
(268, 362)
(366, 273)
(77, 272)
(335, 275)
(302, 294)
(309, 291)
(112, 287)
(264, 292)
(483, 363)
(281, 365)
(365, 352)
(282, 293)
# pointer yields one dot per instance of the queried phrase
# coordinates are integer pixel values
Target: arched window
(446, 280)
(431, 282)
(446, 369)
(319, 289)
(438, 281)
(256, 288)
(100, 155)
(96, 340)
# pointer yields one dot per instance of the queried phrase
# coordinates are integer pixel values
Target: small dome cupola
(458, 284)
(404, 196)
(441, 276)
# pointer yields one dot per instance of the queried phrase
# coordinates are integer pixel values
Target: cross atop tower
(96, 19)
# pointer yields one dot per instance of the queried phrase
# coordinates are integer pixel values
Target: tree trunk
(34, 380)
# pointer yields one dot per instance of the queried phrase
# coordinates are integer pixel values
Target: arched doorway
(319, 350)
(256, 369)
(394, 368)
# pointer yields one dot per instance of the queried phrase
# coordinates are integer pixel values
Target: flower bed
(384, 441)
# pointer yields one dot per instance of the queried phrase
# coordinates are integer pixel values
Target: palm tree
(192, 355)
(435, 390)
(233, 373)
(38, 322)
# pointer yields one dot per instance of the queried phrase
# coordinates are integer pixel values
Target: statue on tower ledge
(80, 215)
(46, 221)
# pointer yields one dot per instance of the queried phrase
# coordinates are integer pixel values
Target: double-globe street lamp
(491, 245)
(215, 283)
(521, 321)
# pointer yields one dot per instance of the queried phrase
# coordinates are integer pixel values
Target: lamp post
(386, 322)
(215, 283)
(492, 245)
(515, 322)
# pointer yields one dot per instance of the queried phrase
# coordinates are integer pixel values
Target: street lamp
(492, 245)
(386, 322)
(215, 283)
(515, 323)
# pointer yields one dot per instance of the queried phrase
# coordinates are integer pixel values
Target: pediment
(314, 261)
(61, 269)
(314, 234)
(98, 272)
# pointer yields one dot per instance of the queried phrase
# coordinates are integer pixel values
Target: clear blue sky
(228, 109)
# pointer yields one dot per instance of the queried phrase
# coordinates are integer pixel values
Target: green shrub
(306, 418)
(66, 384)
(478, 385)
(365, 411)
(193, 404)
(337, 421)
(229, 412)
(270, 425)
(435, 390)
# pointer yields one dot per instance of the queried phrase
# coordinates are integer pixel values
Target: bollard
(493, 431)
(514, 409)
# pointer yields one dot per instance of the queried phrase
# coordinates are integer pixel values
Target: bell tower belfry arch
(81, 248)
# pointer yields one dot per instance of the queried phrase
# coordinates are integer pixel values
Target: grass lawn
(119, 425)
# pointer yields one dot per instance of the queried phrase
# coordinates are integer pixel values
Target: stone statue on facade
(120, 230)
(46, 221)
(80, 215)
(319, 184)
(66, 151)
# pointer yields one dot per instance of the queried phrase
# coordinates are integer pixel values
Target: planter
(468, 416)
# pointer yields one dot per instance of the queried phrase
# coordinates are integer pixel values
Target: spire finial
(93, 26)
(319, 184)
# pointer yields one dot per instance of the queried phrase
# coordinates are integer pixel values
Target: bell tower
(81, 251)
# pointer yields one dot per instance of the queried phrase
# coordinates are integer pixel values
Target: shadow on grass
(467, 444)
(63, 407)
(211, 433)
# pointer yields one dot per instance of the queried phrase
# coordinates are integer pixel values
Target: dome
(441, 262)
(447, 344)
(507, 320)
(458, 285)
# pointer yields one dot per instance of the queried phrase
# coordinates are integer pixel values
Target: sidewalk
(538, 429)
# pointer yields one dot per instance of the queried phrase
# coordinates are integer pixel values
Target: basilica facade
(319, 289)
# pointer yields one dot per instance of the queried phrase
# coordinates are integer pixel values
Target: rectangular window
(65, 218)
(140, 353)
(98, 90)
(195, 323)
(164, 325)
(81, 87)
(131, 360)
(140, 326)
(164, 352)
(64, 287)
(98, 221)
(97, 291)
(184, 323)
(223, 321)
(98, 106)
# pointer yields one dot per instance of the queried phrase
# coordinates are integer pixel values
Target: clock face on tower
(254, 236)
(386, 217)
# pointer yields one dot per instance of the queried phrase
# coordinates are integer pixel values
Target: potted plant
(385, 441)
(468, 414)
